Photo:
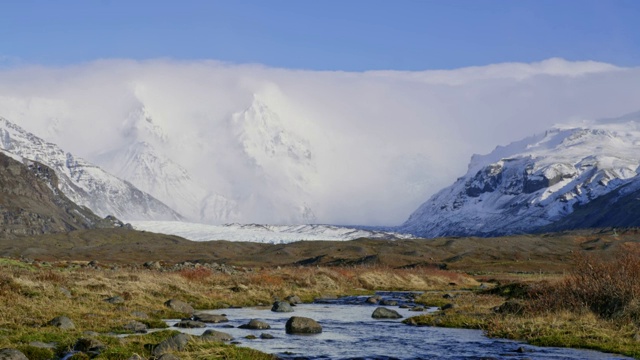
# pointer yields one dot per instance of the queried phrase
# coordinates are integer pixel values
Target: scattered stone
(302, 325)
(168, 357)
(42, 345)
(417, 308)
(12, 354)
(373, 299)
(89, 333)
(483, 286)
(521, 350)
(384, 313)
(404, 306)
(266, 336)
(139, 315)
(255, 324)
(190, 324)
(62, 322)
(174, 343)
(210, 318)
(136, 327)
(251, 337)
(179, 306)
(93, 263)
(448, 296)
(65, 292)
(218, 336)
(88, 345)
(281, 306)
(152, 265)
(510, 307)
(115, 300)
(293, 299)
(448, 306)
(228, 326)
(389, 303)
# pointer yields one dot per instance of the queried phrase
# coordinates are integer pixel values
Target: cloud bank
(355, 148)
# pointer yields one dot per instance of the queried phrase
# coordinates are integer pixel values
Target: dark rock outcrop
(384, 313)
(302, 325)
(281, 306)
(255, 324)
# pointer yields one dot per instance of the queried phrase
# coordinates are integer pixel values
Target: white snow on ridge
(274, 234)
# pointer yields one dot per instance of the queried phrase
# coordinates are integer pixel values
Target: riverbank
(568, 290)
(103, 301)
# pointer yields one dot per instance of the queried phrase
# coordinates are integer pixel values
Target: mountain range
(576, 175)
(83, 182)
(572, 176)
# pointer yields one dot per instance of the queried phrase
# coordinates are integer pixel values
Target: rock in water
(190, 324)
(281, 306)
(210, 318)
(302, 325)
(255, 324)
(384, 313)
(218, 336)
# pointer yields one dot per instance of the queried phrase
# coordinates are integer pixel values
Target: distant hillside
(32, 204)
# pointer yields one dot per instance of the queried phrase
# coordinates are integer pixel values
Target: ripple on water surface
(349, 332)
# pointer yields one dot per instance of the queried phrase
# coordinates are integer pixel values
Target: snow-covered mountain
(82, 182)
(274, 234)
(534, 183)
(258, 148)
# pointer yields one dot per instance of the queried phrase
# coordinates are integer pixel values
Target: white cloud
(381, 142)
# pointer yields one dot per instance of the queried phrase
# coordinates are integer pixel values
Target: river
(349, 332)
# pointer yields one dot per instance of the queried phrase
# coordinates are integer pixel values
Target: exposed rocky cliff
(32, 204)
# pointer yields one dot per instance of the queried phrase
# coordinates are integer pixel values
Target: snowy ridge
(274, 234)
(534, 182)
(82, 182)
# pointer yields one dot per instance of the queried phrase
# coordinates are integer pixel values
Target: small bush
(608, 288)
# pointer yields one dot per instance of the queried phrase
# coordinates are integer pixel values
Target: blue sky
(349, 35)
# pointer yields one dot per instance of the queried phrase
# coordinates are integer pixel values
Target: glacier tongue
(534, 182)
(82, 182)
(274, 234)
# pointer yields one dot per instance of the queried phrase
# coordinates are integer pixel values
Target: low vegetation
(31, 294)
(595, 306)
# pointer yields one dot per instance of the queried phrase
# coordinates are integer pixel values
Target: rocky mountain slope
(572, 176)
(31, 204)
(82, 182)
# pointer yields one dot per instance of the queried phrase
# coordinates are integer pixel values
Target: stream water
(349, 332)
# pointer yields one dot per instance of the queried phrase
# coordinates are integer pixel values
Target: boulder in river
(255, 324)
(217, 336)
(281, 306)
(190, 324)
(302, 325)
(389, 302)
(373, 299)
(210, 318)
(384, 313)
